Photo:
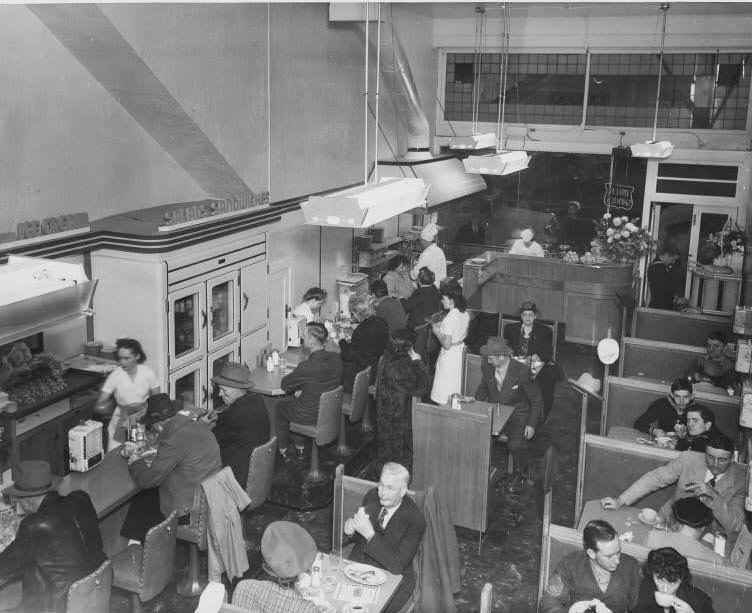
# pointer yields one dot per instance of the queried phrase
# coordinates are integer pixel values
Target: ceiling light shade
(650, 149)
(365, 205)
(503, 163)
(473, 141)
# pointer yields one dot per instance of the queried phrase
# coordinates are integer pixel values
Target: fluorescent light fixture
(653, 149)
(503, 163)
(365, 205)
(473, 141)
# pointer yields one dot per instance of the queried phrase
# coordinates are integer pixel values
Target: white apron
(448, 377)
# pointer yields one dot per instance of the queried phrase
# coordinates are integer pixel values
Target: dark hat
(691, 512)
(528, 305)
(158, 407)
(496, 345)
(32, 478)
(234, 375)
(288, 549)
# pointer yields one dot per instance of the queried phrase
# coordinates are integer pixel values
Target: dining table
(631, 435)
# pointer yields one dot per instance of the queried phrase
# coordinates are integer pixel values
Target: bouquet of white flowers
(622, 238)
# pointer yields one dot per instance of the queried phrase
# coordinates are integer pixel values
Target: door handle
(287, 310)
(245, 301)
(206, 394)
(203, 319)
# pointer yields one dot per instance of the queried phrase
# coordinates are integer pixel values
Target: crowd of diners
(410, 329)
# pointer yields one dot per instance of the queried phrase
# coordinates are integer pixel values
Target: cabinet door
(187, 321)
(219, 358)
(254, 301)
(250, 347)
(222, 300)
(42, 443)
(280, 299)
(189, 385)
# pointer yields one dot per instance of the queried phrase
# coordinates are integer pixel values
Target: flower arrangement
(622, 238)
(730, 240)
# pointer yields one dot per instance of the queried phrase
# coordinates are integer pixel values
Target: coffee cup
(664, 600)
(356, 608)
(648, 515)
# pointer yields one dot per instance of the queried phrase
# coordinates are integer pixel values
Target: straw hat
(234, 375)
(288, 549)
(32, 478)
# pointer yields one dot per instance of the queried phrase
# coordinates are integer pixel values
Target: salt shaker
(270, 364)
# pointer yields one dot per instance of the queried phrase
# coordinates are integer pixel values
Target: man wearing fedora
(288, 551)
(242, 421)
(186, 454)
(508, 381)
(58, 541)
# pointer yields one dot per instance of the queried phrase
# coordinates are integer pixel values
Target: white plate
(364, 574)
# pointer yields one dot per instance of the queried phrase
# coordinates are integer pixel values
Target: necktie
(382, 517)
(711, 482)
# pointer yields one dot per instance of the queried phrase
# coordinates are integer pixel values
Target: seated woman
(533, 340)
(397, 278)
(451, 333)
(310, 308)
(402, 375)
(668, 414)
(367, 343)
(714, 367)
(667, 586)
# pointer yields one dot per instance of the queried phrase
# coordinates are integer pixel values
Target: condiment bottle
(270, 364)
(275, 357)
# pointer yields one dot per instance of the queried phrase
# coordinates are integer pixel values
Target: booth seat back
(608, 466)
(676, 327)
(625, 399)
(730, 588)
(657, 360)
(471, 373)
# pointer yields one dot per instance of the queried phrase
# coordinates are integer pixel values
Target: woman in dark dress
(367, 343)
(667, 586)
(402, 375)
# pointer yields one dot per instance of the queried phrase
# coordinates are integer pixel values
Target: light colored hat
(288, 549)
(234, 375)
(429, 232)
(587, 383)
(527, 235)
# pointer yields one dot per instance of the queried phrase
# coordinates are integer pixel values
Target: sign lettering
(618, 196)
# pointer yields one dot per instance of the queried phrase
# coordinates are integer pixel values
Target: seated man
(714, 367)
(691, 520)
(388, 307)
(508, 381)
(668, 413)
(388, 529)
(242, 420)
(713, 478)
(186, 454)
(700, 428)
(288, 551)
(321, 372)
(602, 578)
(57, 542)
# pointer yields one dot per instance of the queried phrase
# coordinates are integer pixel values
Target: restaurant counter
(587, 298)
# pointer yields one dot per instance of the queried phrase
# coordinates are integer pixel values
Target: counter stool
(92, 592)
(195, 534)
(324, 431)
(145, 570)
(354, 406)
(260, 473)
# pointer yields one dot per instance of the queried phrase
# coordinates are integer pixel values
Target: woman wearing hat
(288, 551)
(526, 245)
(432, 256)
(242, 421)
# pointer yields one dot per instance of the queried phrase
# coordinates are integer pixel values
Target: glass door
(217, 360)
(187, 320)
(189, 387)
(221, 295)
(706, 221)
(254, 298)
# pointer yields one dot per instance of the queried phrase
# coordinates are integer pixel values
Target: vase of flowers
(622, 239)
(729, 246)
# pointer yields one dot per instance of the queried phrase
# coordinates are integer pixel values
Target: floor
(510, 550)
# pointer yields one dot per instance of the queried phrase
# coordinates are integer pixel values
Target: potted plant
(622, 239)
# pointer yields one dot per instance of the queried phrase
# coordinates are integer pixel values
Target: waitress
(451, 333)
(131, 384)
(310, 308)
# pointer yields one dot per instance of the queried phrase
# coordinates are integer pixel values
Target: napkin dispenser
(295, 331)
(85, 446)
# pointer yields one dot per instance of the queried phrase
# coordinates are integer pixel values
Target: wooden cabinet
(192, 309)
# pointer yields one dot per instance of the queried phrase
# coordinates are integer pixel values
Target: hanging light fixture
(368, 204)
(502, 162)
(476, 140)
(653, 148)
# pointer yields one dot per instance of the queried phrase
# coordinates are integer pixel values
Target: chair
(92, 592)
(145, 570)
(486, 598)
(195, 533)
(354, 406)
(324, 431)
(260, 472)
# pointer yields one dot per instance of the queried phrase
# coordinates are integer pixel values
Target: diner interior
(230, 183)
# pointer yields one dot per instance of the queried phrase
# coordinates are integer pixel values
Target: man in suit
(508, 381)
(531, 339)
(712, 477)
(321, 372)
(388, 528)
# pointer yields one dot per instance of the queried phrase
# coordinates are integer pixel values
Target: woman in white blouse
(451, 333)
(130, 384)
